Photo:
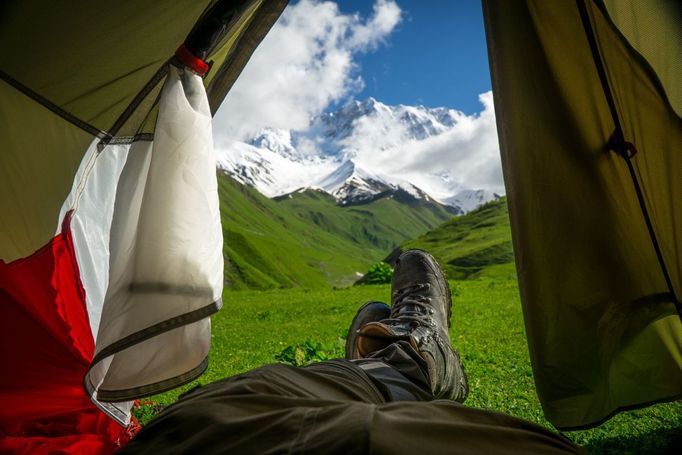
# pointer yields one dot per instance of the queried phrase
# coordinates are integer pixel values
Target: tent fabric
(107, 149)
(89, 51)
(43, 313)
(166, 264)
(603, 329)
(654, 29)
(142, 282)
(33, 183)
(92, 70)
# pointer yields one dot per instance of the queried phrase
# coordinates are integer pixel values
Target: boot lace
(409, 304)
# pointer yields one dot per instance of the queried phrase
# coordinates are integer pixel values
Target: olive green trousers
(380, 405)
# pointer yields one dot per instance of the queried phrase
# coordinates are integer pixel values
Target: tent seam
(164, 385)
(88, 128)
(134, 104)
(156, 329)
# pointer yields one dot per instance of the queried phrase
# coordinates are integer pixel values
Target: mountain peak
(275, 140)
(336, 178)
(468, 200)
(371, 101)
(337, 151)
(358, 108)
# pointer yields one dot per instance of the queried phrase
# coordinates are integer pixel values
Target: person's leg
(397, 370)
(445, 426)
(412, 335)
(281, 399)
(274, 409)
(282, 409)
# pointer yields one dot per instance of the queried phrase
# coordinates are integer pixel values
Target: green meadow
(255, 327)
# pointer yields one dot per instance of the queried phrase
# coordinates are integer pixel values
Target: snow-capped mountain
(355, 153)
(468, 200)
(349, 183)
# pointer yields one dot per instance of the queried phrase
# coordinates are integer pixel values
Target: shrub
(308, 352)
(379, 273)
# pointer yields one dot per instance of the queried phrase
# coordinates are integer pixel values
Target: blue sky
(436, 56)
(321, 54)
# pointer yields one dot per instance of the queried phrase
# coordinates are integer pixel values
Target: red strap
(191, 61)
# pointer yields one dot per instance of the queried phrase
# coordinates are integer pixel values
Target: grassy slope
(478, 243)
(307, 240)
(380, 225)
(487, 329)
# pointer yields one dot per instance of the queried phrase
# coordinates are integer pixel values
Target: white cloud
(304, 64)
(468, 153)
(462, 155)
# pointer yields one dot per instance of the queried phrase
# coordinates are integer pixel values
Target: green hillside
(306, 239)
(379, 225)
(472, 245)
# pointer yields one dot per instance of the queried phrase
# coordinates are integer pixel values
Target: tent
(588, 99)
(110, 237)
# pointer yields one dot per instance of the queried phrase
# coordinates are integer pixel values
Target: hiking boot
(369, 312)
(420, 314)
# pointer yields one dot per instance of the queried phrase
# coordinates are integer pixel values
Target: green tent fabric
(93, 69)
(601, 304)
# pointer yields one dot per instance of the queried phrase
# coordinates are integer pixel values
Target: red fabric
(45, 349)
(191, 61)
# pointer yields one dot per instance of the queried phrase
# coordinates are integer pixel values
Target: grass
(307, 240)
(476, 244)
(256, 326)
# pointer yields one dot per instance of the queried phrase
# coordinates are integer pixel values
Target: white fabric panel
(184, 348)
(146, 228)
(93, 195)
(166, 246)
(92, 199)
(166, 240)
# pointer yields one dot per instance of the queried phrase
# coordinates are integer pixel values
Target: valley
(308, 239)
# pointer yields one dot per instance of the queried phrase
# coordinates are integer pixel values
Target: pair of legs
(383, 398)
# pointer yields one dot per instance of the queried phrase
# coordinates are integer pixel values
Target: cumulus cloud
(468, 153)
(303, 64)
(460, 153)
